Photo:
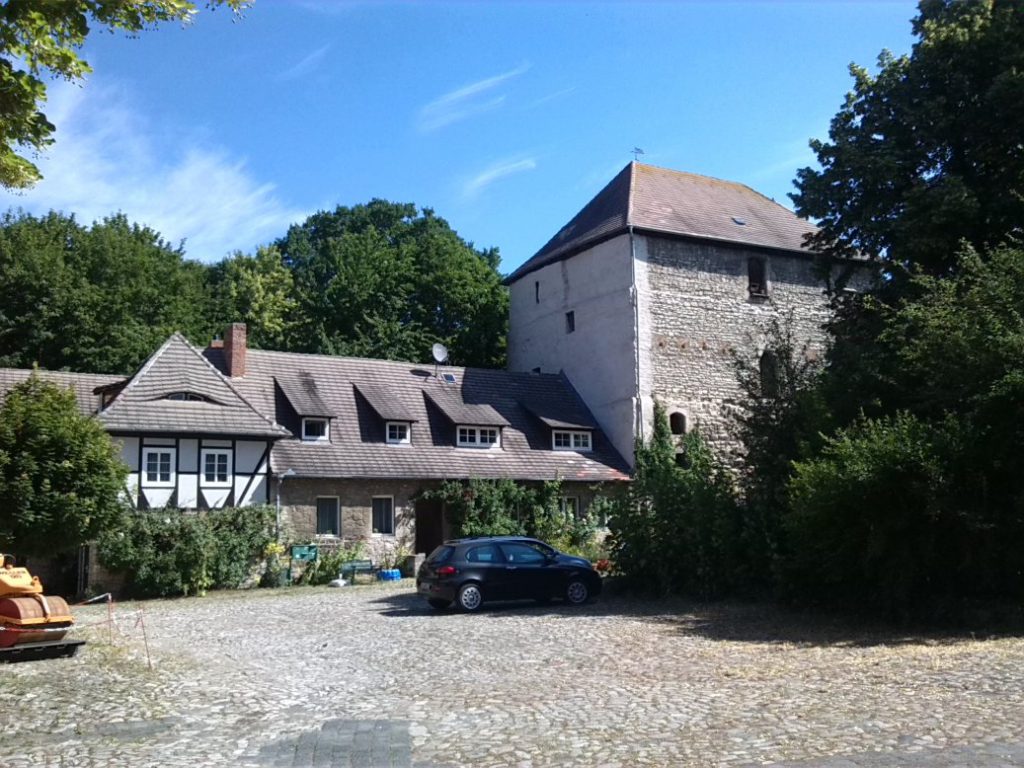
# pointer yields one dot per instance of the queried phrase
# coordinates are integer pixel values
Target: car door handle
(511, 567)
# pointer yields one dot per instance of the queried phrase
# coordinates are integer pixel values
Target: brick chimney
(234, 349)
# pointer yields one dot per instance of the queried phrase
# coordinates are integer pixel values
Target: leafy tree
(383, 280)
(61, 479)
(98, 299)
(44, 37)
(782, 421)
(929, 151)
(921, 505)
(678, 527)
(260, 292)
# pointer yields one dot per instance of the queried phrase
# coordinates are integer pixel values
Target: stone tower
(650, 289)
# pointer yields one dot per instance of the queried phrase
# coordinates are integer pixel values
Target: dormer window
(479, 437)
(316, 430)
(569, 440)
(398, 433)
(188, 397)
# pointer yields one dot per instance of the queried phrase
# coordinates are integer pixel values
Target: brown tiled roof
(82, 384)
(675, 203)
(452, 401)
(177, 366)
(358, 446)
(303, 394)
(561, 415)
(387, 407)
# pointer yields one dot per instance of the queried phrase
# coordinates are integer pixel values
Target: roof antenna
(440, 353)
(636, 153)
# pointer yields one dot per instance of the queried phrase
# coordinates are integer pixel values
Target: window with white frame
(384, 514)
(567, 440)
(570, 506)
(158, 467)
(398, 432)
(479, 437)
(216, 465)
(328, 518)
(316, 430)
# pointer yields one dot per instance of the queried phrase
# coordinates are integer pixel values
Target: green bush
(677, 529)
(168, 552)
(506, 508)
(879, 520)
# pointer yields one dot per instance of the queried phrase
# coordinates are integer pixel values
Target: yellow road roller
(32, 625)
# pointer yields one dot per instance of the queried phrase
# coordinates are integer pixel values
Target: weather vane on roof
(637, 152)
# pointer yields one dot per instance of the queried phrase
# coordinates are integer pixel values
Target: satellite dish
(440, 352)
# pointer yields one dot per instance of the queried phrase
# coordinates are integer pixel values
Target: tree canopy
(928, 152)
(95, 299)
(385, 280)
(888, 477)
(61, 480)
(37, 38)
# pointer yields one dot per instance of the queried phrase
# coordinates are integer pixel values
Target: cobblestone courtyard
(369, 676)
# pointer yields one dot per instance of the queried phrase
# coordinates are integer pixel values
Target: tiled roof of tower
(669, 202)
(83, 384)
(358, 446)
(178, 368)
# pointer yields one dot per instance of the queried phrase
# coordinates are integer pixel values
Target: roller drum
(33, 620)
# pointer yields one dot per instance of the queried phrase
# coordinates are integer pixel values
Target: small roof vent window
(738, 220)
(449, 377)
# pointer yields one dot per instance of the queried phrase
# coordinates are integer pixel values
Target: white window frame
(203, 479)
(400, 441)
(581, 441)
(325, 438)
(337, 519)
(383, 533)
(147, 451)
(471, 437)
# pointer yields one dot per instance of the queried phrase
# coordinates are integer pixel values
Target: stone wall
(701, 314)
(298, 512)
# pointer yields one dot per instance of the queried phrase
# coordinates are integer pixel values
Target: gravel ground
(369, 676)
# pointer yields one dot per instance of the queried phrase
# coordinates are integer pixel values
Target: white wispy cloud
(467, 101)
(551, 97)
(495, 171)
(305, 66)
(108, 160)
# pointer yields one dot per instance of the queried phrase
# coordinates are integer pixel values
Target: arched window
(769, 366)
(677, 422)
(188, 397)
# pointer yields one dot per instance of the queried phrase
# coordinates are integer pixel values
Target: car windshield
(440, 554)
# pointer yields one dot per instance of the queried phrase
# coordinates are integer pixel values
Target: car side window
(522, 554)
(485, 554)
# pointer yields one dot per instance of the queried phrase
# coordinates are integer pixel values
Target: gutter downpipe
(638, 414)
(277, 517)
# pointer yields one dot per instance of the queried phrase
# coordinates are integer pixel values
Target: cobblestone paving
(369, 676)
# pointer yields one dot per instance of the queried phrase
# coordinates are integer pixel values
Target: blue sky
(504, 118)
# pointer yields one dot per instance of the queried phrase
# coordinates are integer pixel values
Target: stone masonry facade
(699, 315)
(299, 511)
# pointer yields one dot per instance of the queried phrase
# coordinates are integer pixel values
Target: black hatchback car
(472, 571)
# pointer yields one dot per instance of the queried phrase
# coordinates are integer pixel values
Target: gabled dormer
(568, 423)
(477, 425)
(304, 396)
(397, 419)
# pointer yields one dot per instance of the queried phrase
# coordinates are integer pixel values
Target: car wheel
(470, 597)
(438, 604)
(577, 593)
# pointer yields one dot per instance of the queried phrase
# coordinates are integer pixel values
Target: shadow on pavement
(722, 621)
